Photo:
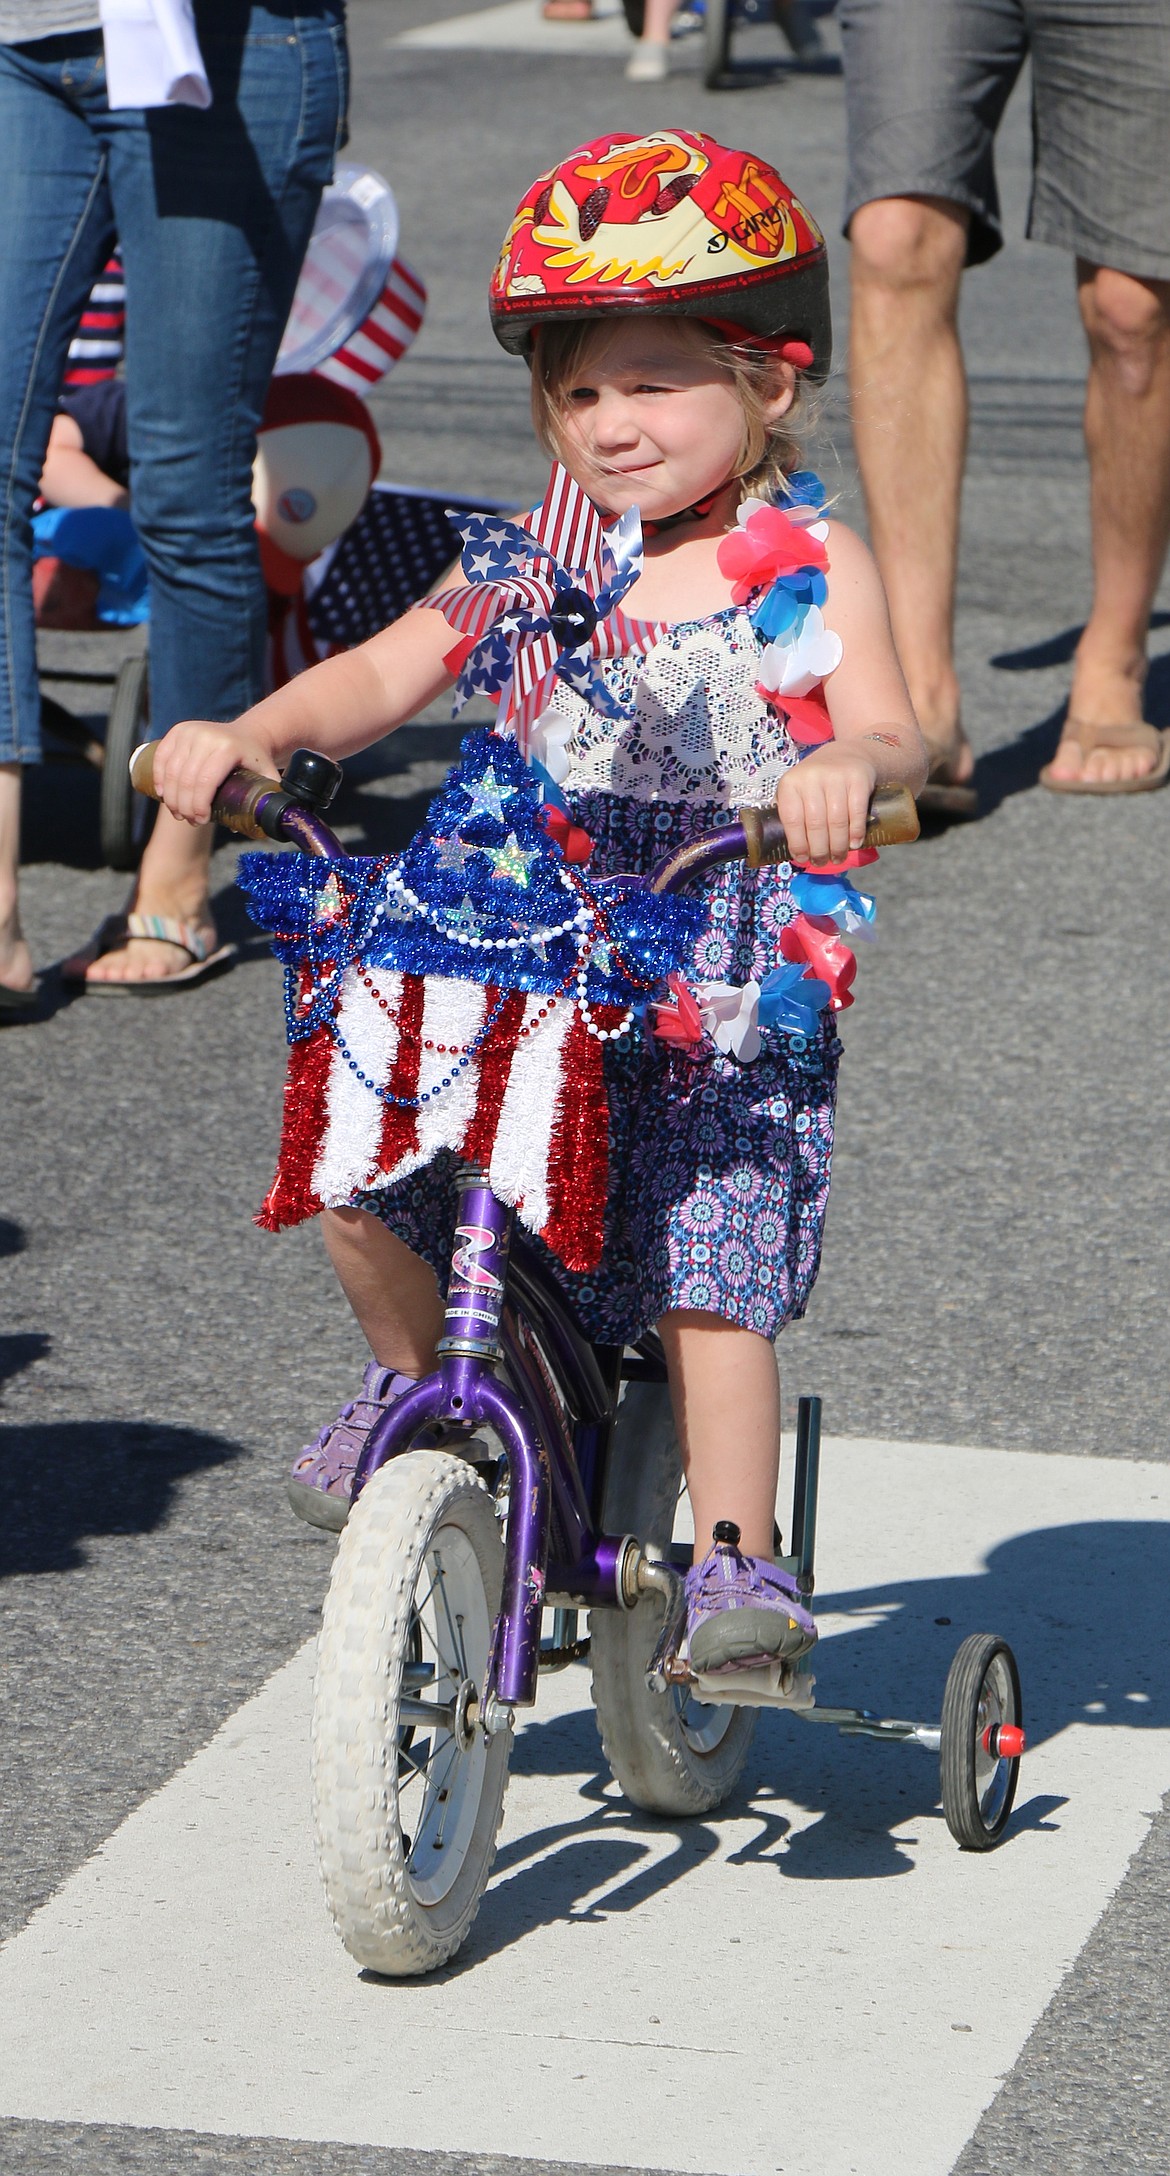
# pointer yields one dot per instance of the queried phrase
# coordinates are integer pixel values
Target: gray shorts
(926, 83)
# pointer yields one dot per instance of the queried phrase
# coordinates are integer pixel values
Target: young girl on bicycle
(669, 296)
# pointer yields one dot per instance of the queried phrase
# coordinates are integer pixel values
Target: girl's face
(649, 419)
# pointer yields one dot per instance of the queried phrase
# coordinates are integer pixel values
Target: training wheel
(981, 1741)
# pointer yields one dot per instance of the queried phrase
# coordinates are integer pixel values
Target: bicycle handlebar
(252, 806)
(261, 808)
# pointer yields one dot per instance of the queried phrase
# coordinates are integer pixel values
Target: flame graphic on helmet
(632, 215)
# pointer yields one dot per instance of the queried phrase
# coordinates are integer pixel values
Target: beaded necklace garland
(478, 964)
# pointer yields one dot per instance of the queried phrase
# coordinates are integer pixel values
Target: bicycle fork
(465, 1392)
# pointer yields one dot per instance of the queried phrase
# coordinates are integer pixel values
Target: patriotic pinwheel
(541, 605)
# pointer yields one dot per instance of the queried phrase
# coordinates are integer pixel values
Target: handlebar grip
(245, 803)
(893, 821)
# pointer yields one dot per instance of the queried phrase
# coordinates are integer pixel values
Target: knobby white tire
(406, 1816)
(669, 1753)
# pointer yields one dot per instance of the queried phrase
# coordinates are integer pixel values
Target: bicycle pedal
(780, 1684)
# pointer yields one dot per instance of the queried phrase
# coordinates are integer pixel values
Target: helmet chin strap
(698, 512)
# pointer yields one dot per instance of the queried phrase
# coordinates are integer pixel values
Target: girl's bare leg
(725, 1388)
(393, 1294)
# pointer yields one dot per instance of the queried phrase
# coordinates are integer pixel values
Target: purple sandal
(321, 1481)
(742, 1611)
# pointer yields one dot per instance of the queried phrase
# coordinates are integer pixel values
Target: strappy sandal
(1088, 737)
(205, 959)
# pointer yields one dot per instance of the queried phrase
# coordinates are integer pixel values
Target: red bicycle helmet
(674, 223)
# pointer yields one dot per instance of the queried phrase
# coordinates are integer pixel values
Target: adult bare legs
(725, 1388)
(16, 968)
(172, 882)
(1127, 434)
(909, 396)
(649, 61)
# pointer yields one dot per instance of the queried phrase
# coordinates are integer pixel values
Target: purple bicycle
(561, 1494)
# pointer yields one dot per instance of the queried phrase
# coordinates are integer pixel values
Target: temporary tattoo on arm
(888, 740)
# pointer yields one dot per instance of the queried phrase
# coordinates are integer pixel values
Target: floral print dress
(719, 1169)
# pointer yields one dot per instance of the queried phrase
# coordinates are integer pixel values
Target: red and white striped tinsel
(530, 1108)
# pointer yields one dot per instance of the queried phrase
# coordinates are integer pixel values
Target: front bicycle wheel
(669, 1752)
(407, 1793)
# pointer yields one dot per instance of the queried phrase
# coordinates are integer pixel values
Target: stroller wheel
(125, 815)
(716, 41)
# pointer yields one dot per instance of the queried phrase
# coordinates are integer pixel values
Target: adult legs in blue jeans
(213, 211)
(58, 224)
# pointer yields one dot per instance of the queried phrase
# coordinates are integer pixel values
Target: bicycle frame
(554, 1410)
(555, 1424)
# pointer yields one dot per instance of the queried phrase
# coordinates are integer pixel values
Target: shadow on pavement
(20, 1350)
(63, 1482)
(1056, 650)
(1082, 1606)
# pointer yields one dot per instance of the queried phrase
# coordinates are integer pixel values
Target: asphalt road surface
(988, 1335)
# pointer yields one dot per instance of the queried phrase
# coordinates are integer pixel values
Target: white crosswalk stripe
(817, 1979)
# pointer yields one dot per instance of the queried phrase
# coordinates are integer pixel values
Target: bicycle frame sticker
(471, 1242)
(479, 1260)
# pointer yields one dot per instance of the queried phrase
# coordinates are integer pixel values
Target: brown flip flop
(118, 927)
(943, 796)
(1088, 737)
(940, 797)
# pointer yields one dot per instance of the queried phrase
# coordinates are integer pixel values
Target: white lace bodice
(699, 732)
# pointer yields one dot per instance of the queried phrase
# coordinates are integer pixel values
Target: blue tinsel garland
(483, 865)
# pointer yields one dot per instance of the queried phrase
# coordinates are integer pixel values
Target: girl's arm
(337, 707)
(824, 801)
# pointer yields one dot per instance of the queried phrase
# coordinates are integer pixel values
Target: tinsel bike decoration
(459, 996)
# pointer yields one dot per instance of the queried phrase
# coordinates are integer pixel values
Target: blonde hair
(769, 451)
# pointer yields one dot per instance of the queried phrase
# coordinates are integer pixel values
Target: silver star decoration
(512, 861)
(465, 916)
(539, 945)
(451, 853)
(488, 796)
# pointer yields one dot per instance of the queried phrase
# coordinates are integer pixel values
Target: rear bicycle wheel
(407, 1796)
(669, 1752)
(716, 41)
